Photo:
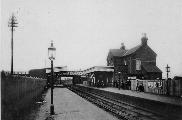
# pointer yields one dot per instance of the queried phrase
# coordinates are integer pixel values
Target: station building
(99, 76)
(139, 62)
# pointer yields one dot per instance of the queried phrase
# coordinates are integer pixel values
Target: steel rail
(120, 109)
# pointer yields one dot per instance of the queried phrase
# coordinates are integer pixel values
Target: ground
(69, 106)
(154, 97)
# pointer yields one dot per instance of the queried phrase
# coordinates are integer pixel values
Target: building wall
(110, 59)
(131, 64)
(145, 54)
(102, 79)
(154, 76)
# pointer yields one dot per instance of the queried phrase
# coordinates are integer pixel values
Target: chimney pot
(144, 39)
(122, 46)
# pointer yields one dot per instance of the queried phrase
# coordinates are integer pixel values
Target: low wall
(17, 94)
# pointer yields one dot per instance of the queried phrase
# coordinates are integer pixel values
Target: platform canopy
(65, 71)
(57, 69)
(99, 68)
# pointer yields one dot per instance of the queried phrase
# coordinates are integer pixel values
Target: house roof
(117, 52)
(132, 50)
(121, 53)
(151, 68)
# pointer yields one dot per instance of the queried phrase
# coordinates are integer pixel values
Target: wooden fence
(172, 87)
(150, 86)
(17, 94)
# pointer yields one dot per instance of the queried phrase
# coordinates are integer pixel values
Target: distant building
(40, 73)
(99, 76)
(139, 61)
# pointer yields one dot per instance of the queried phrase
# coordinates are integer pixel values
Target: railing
(18, 92)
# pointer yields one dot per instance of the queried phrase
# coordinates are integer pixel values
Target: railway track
(119, 109)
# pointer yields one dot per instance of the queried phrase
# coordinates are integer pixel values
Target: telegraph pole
(12, 24)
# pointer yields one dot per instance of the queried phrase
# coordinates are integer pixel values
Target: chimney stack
(122, 46)
(144, 39)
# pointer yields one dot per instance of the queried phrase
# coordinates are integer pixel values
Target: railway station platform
(148, 96)
(69, 106)
(154, 97)
(170, 107)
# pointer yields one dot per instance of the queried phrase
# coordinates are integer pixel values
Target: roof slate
(121, 53)
(151, 68)
(130, 51)
(117, 52)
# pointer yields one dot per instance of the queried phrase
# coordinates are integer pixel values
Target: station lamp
(52, 55)
(167, 70)
(52, 52)
(119, 75)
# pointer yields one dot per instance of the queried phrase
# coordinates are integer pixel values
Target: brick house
(140, 61)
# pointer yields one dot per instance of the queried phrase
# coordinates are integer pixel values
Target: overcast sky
(84, 30)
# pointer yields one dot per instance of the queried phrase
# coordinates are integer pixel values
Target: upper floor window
(110, 62)
(124, 62)
(138, 64)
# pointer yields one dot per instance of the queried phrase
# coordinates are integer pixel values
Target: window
(138, 64)
(124, 62)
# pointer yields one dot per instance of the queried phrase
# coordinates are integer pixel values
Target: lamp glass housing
(52, 52)
(167, 69)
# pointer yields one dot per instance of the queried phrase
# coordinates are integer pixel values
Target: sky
(83, 31)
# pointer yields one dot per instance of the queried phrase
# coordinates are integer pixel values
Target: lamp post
(119, 73)
(167, 70)
(51, 55)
